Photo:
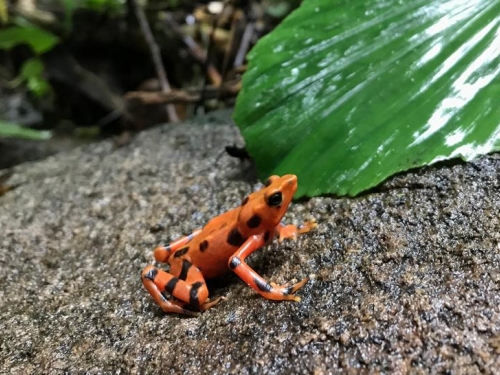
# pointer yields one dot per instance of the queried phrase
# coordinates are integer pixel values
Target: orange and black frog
(223, 244)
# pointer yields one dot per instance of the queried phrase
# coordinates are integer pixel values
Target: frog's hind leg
(158, 282)
(184, 282)
(162, 253)
(191, 275)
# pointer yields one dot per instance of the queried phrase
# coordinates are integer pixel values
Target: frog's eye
(275, 199)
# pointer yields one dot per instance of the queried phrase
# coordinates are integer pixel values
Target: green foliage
(174, 3)
(32, 72)
(104, 5)
(280, 8)
(69, 8)
(40, 42)
(101, 6)
(4, 16)
(38, 39)
(8, 130)
(345, 94)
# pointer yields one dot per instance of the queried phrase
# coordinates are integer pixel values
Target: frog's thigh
(158, 283)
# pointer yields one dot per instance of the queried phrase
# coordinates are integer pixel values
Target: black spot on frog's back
(203, 245)
(235, 238)
(254, 221)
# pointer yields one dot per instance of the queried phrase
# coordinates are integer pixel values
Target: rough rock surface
(406, 278)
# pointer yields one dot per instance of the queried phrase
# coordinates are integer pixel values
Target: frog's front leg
(254, 280)
(162, 253)
(184, 281)
(291, 231)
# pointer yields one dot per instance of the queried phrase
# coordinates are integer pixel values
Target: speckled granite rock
(405, 278)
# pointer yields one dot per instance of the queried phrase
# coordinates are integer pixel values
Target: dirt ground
(404, 279)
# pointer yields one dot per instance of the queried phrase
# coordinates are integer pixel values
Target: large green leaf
(345, 93)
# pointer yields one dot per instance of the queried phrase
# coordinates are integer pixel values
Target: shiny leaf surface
(345, 94)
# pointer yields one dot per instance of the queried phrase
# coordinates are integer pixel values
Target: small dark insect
(238, 152)
(235, 152)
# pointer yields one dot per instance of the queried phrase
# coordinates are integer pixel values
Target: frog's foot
(292, 231)
(208, 304)
(177, 307)
(288, 289)
(279, 292)
(308, 226)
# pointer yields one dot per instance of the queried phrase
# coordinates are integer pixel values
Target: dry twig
(196, 51)
(156, 56)
(189, 95)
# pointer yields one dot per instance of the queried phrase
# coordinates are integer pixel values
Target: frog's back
(211, 249)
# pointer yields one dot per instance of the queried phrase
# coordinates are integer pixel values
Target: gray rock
(405, 278)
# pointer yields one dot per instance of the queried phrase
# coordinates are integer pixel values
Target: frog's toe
(208, 304)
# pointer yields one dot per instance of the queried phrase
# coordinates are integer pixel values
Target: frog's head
(264, 209)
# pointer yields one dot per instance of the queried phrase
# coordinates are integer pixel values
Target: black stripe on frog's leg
(235, 238)
(234, 262)
(288, 290)
(186, 265)
(181, 252)
(193, 294)
(151, 274)
(170, 286)
(262, 285)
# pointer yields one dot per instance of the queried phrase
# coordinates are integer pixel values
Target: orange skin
(223, 244)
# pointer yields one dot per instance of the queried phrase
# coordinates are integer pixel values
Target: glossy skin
(223, 244)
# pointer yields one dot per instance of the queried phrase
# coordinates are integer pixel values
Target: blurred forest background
(76, 71)
(342, 94)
